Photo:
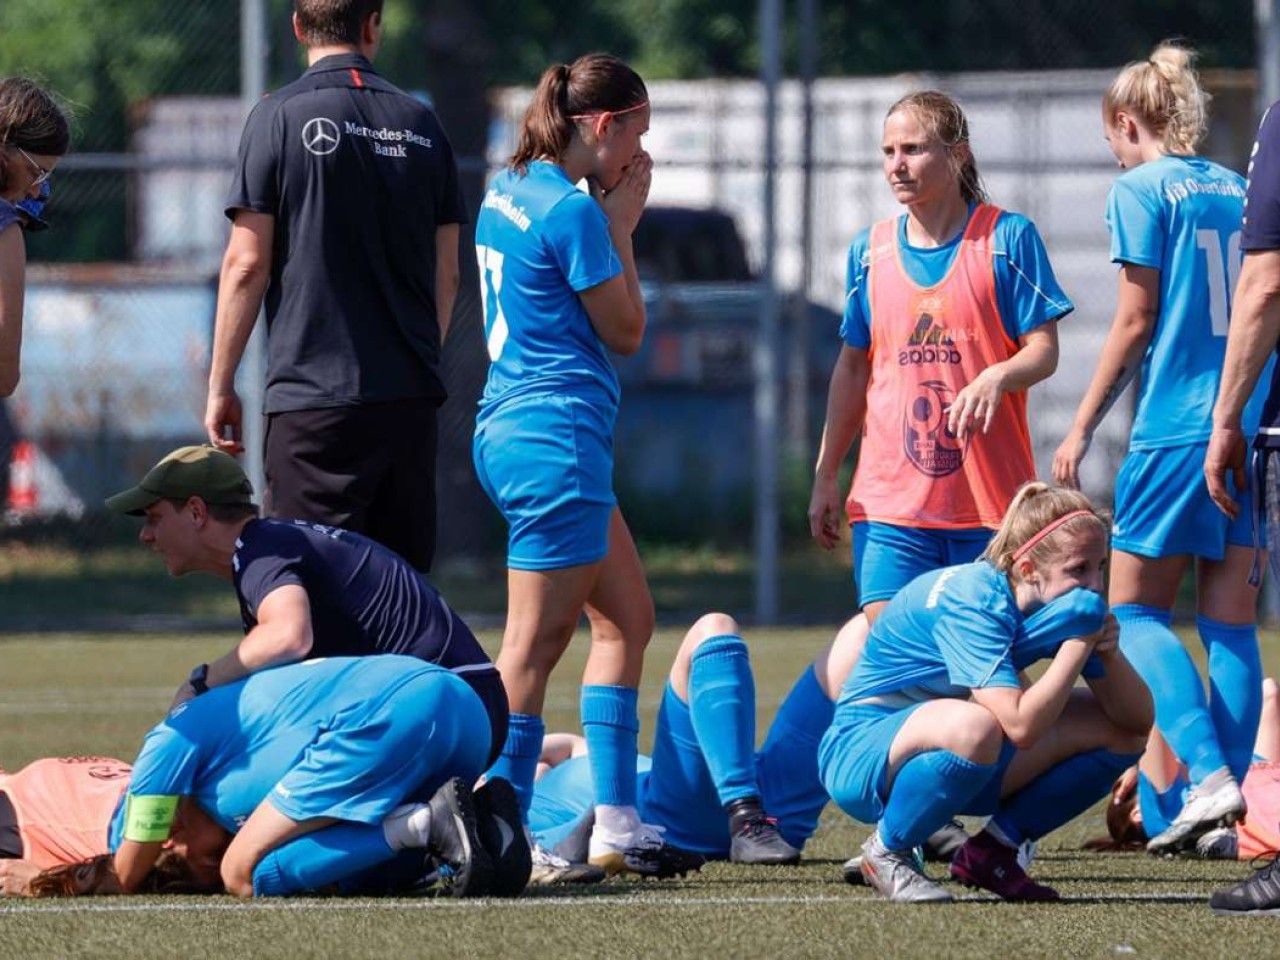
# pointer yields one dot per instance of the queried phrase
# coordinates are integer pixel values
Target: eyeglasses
(41, 173)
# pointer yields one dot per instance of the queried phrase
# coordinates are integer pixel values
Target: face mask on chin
(34, 209)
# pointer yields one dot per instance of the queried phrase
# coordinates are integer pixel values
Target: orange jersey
(64, 806)
(1257, 833)
(927, 344)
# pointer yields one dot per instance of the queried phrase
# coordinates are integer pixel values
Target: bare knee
(975, 736)
(834, 664)
(706, 627)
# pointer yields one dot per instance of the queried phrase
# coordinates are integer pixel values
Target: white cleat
(1215, 801)
(896, 874)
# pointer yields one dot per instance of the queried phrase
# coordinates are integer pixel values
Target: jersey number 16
(1222, 277)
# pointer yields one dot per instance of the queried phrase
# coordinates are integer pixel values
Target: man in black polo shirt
(345, 210)
(1251, 341)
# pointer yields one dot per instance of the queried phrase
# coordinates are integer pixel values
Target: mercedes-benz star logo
(320, 136)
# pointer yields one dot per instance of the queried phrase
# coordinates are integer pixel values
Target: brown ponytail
(942, 116)
(32, 120)
(594, 83)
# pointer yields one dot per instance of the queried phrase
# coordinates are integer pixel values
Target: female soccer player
(561, 291)
(1175, 231)
(937, 720)
(33, 137)
(950, 316)
(318, 768)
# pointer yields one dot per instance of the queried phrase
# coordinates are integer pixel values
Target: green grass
(65, 694)
(117, 584)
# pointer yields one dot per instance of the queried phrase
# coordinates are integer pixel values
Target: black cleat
(462, 865)
(756, 840)
(503, 837)
(944, 842)
(1258, 895)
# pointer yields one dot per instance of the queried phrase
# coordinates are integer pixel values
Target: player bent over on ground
(323, 771)
(706, 785)
(936, 720)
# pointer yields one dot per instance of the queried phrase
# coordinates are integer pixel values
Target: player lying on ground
(935, 719)
(1146, 798)
(324, 771)
(305, 590)
(56, 812)
(706, 785)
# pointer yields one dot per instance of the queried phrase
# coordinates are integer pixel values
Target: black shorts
(493, 694)
(10, 836)
(370, 469)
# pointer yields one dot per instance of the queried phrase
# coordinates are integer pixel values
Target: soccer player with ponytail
(561, 292)
(951, 316)
(937, 718)
(1175, 221)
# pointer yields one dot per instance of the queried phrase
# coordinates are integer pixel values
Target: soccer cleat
(988, 864)
(754, 836)
(1260, 894)
(463, 867)
(897, 876)
(1220, 843)
(642, 852)
(550, 870)
(852, 872)
(1215, 801)
(503, 837)
(944, 842)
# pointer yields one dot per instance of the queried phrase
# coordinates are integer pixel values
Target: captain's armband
(149, 819)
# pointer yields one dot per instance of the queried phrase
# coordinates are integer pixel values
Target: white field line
(292, 905)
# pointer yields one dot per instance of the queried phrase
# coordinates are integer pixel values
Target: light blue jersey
(957, 629)
(540, 241)
(1026, 288)
(1182, 216)
(232, 746)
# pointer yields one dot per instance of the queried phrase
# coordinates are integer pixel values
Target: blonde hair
(1164, 92)
(1034, 507)
(942, 116)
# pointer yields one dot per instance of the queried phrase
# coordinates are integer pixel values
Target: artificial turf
(74, 694)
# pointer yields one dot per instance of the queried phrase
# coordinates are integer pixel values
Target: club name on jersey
(505, 205)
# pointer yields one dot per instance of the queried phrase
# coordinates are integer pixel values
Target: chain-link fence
(121, 290)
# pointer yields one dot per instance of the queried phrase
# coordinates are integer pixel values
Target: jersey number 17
(495, 324)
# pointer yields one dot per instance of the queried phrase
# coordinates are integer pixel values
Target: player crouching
(937, 719)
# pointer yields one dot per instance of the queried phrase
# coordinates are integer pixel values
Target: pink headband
(615, 113)
(1027, 547)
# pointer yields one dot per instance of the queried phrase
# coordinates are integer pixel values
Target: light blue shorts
(547, 463)
(401, 745)
(1163, 507)
(676, 789)
(854, 760)
(887, 557)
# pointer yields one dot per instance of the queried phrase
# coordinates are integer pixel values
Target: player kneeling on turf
(333, 772)
(937, 720)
